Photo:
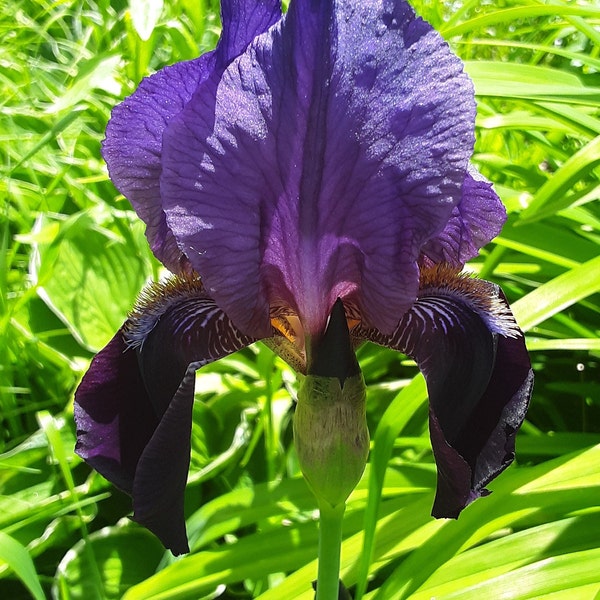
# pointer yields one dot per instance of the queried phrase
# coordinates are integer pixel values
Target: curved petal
(133, 145)
(474, 222)
(133, 408)
(464, 339)
(111, 402)
(337, 147)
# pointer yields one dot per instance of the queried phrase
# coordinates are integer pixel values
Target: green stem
(330, 544)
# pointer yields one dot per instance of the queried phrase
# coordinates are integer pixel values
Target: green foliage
(73, 258)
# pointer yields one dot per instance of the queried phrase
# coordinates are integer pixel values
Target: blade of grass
(510, 15)
(559, 293)
(20, 562)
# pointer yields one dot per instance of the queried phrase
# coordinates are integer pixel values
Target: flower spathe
(313, 157)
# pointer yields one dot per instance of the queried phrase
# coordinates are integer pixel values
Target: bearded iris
(308, 183)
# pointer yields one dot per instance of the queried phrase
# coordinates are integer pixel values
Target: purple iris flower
(311, 157)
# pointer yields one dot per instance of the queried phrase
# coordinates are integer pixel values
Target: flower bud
(331, 435)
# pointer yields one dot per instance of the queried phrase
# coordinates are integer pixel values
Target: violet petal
(113, 414)
(479, 381)
(337, 147)
(133, 145)
(474, 222)
(133, 408)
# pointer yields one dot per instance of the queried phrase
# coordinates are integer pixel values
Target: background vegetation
(73, 258)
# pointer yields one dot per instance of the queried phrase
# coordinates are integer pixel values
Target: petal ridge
(475, 220)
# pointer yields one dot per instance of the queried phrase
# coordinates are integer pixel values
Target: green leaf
(91, 273)
(535, 344)
(552, 242)
(144, 16)
(554, 194)
(521, 497)
(17, 557)
(556, 295)
(513, 80)
(552, 557)
(393, 421)
(108, 563)
(97, 73)
(511, 15)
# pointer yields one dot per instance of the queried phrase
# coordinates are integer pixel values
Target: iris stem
(330, 545)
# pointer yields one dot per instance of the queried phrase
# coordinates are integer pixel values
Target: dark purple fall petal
(133, 408)
(133, 145)
(112, 406)
(475, 221)
(479, 380)
(319, 163)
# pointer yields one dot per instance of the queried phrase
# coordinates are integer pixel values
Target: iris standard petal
(133, 408)
(319, 164)
(474, 222)
(464, 339)
(133, 145)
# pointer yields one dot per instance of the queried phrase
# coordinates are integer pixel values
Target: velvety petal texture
(133, 408)
(464, 339)
(319, 163)
(133, 145)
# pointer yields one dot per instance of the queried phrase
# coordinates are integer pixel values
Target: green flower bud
(331, 435)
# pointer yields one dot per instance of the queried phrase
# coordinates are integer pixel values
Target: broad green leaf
(108, 563)
(537, 580)
(551, 557)
(16, 556)
(521, 497)
(90, 274)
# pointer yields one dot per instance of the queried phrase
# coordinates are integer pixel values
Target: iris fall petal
(466, 343)
(133, 408)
